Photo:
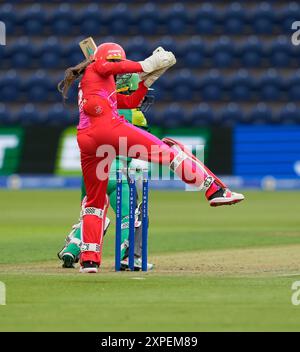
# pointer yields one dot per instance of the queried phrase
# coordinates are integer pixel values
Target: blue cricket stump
(118, 221)
(145, 193)
(132, 211)
(132, 207)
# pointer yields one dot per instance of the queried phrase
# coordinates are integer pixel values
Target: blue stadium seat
(260, 114)
(5, 115)
(262, 18)
(281, 52)
(158, 92)
(182, 85)
(251, 52)
(3, 53)
(53, 94)
(90, 20)
(223, 53)
(205, 19)
(293, 86)
(61, 20)
(72, 53)
(37, 87)
(10, 85)
(8, 15)
(27, 115)
(295, 55)
(240, 86)
(58, 115)
(72, 93)
(172, 116)
(34, 20)
(231, 114)
(153, 117)
(147, 19)
(175, 19)
(50, 53)
(234, 19)
(193, 52)
(212, 86)
(160, 88)
(137, 48)
(14, 118)
(21, 53)
(269, 86)
(201, 115)
(274, 118)
(167, 42)
(289, 14)
(119, 19)
(289, 114)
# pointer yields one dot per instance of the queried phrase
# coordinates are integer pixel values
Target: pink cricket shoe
(225, 197)
(89, 267)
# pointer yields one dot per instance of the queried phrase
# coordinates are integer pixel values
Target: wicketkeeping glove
(150, 78)
(158, 60)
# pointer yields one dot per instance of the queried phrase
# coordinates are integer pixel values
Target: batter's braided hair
(71, 75)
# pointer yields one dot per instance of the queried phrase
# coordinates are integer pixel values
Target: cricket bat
(88, 47)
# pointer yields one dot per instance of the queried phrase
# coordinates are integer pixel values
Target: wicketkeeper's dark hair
(71, 74)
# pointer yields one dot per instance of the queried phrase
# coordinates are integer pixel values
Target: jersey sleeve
(133, 100)
(106, 68)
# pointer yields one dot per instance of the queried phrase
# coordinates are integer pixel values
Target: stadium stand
(236, 63)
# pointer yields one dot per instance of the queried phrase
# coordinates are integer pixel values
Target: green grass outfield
(223, 269)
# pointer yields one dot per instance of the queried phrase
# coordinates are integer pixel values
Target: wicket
(132, 211)
(118, 221)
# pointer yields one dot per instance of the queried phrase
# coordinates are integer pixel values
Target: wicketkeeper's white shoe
(225, 197)
(137, 264)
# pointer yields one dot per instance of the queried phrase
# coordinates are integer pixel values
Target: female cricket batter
(69, 254)
(103, 134)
